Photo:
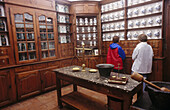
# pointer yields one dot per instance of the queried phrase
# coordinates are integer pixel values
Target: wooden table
(93, 81)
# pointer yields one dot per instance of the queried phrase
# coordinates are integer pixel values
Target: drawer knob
(2, 52)
(3, 61)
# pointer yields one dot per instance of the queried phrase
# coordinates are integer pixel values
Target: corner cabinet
(34, 34)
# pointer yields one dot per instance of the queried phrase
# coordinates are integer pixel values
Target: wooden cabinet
(7, 89)
(48, 79)
(46, 34)
(34, 34)
(28, 84)
(85, 7)
(65, 31)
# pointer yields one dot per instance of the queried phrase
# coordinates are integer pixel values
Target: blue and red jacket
(115, 56)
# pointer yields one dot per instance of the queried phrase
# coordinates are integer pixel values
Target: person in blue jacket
(116, 55)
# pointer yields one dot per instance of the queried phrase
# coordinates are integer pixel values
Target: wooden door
(46, 29)
(28, 84)
(5, 87)
(24, 33)
(48, 79)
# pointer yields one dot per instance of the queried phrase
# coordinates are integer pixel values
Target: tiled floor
(48, 101)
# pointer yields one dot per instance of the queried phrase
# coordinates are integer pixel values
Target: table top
(97, 79)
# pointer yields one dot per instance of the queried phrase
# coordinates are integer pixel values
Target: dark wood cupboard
(48, 79)
(28, 84)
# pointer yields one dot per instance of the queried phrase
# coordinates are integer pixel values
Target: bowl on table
(160, 99)
(105, 69)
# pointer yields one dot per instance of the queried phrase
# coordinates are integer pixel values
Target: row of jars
(92, 52)
(145, 10)
(145, 22)
(152, 34)
(64, 39)
(87, 43)
(112, 6)
(113, 16)
(120, 4)
(113, 26)
(86, 29)
(86, 21)
(63, 18)
(133, 35)
(86, 36)
(62, 8)
(63, 28)
(109, 36)
(137, 23)
(23, 56)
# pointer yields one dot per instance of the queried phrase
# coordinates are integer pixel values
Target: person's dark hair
(142, 38)
(115, 39)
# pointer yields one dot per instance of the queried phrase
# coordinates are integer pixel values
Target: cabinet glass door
(25, 37)
(46, 36)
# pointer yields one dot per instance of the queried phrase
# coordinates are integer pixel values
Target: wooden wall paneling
(157, 69)
(85, 7)
(65, 62)
(7, 87)
(41, 4)
(167, 40)
(28, 84)
(93, 61)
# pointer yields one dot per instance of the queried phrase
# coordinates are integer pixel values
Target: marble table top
(96, 78)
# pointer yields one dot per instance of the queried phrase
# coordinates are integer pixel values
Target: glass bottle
(22, 47)
(3, 40)
(2, 25)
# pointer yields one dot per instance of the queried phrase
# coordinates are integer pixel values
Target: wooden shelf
(153, 27)
(3, 31)
(64, 23)
(110, 11)
(86, 25)
(64, 33)
(63, 13)
(3, 17)
(113, 21)
(114, 31)
(86, 32)
(83, 102)
(145, 3)
(144, 16)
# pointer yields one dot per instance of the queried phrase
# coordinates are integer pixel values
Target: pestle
(136, 76)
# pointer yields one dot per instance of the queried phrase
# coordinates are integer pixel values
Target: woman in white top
(142, 56)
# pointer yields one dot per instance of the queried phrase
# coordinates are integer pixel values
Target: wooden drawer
(22, 69)
(4, 62)
(3, 51)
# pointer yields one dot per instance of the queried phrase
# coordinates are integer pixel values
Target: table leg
(140, 92)
(74, 87)
(127, 102)
(58, 87)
